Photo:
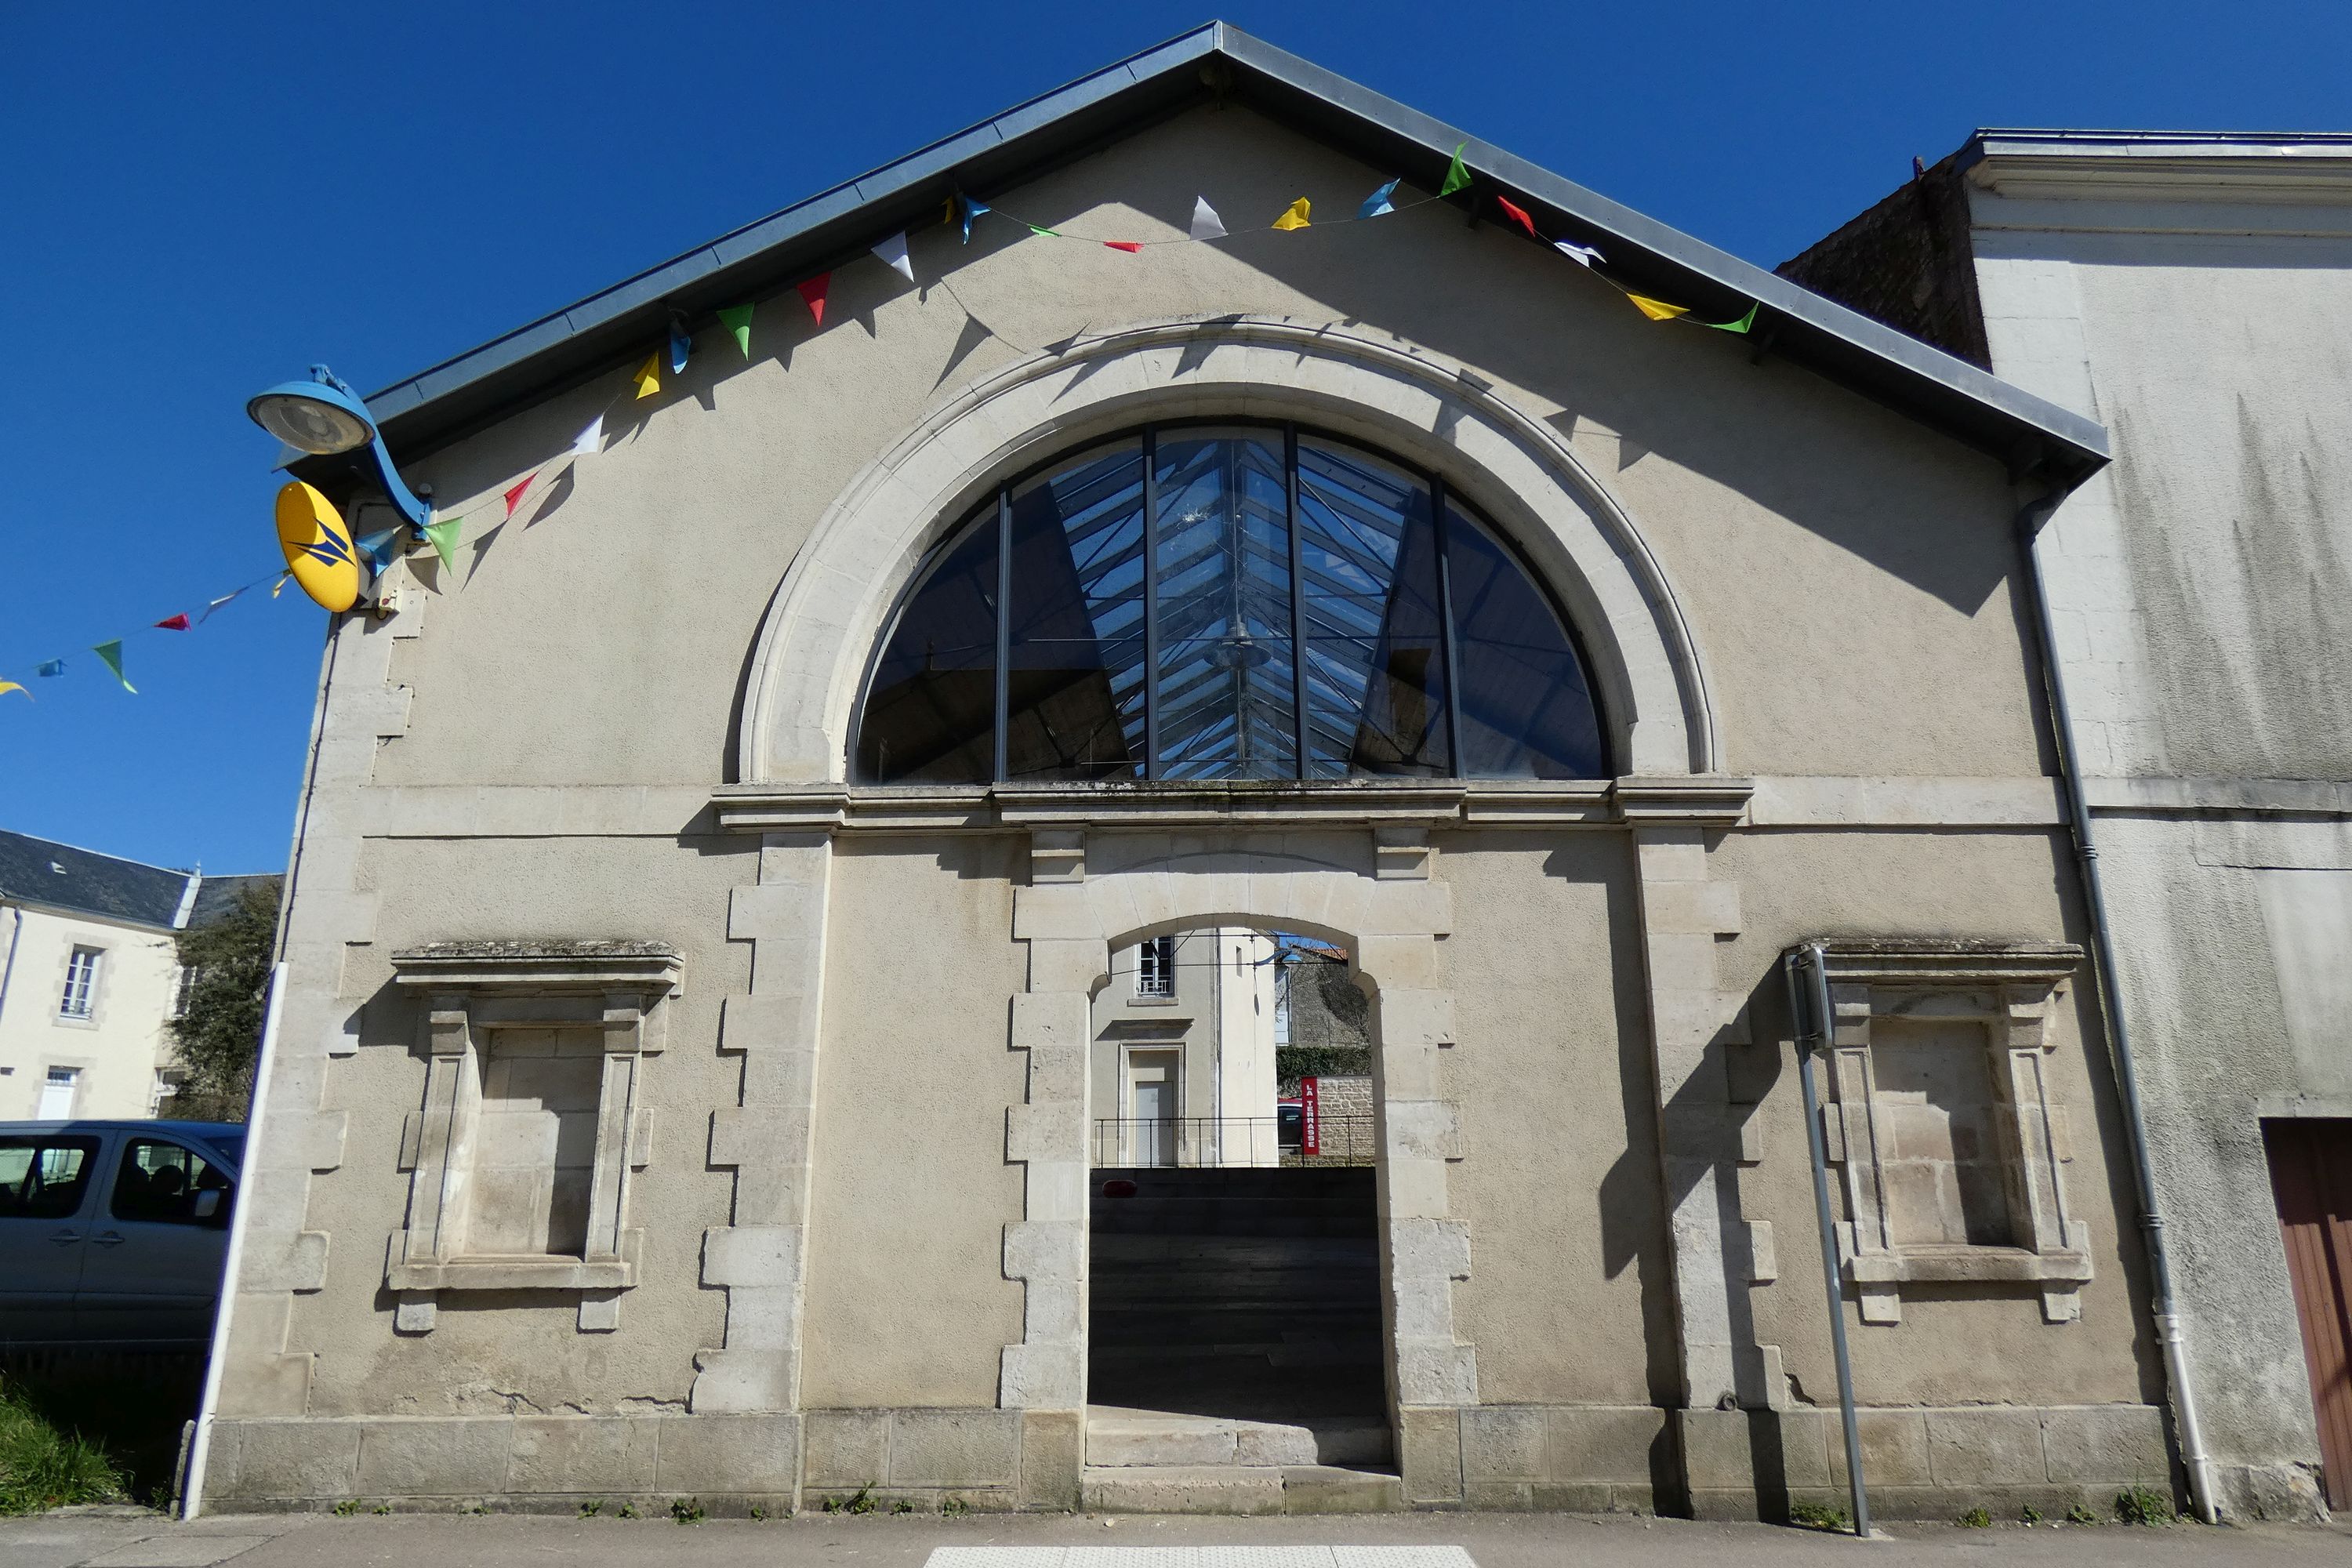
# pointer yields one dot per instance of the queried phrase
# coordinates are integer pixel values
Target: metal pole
(192, 1501)
(2171, 1332)
(1830, 1280)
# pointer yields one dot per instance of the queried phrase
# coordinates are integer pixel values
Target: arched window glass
(1226, 602)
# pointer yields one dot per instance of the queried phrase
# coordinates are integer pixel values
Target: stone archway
(1091, 893)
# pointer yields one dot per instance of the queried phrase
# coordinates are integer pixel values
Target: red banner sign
(1310, 1118)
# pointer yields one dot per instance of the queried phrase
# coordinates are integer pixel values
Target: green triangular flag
(1458, 178)
(1740, 325)
(109, 654)
(1039, 228)
(737, 319)
(444, 537)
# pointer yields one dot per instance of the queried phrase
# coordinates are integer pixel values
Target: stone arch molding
(1107, 890)
(820, 630)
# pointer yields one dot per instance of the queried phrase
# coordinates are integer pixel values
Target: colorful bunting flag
(1378, 202)
(50, 667)
(1293, 216)
(591, 441)
(1583, 254)
(8, 686)
(737, 319)
(813, 292)
(1048, 233)
(1206, 223)
(1518, 214)
(680, 347)
(1458, 178)
(892, 254)
(972, 209)
(178, 623)
(516, 493)
(648, 376)
(1130, 246)
(444, 537)
(216, 605)
(378, 546)
(109, 654)
(280, 586)
(1657, 310)
(1740, 325)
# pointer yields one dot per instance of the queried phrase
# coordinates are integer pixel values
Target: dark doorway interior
(1251, 1293)
(2311, 1177)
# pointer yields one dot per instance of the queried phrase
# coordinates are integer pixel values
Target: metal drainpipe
(2170, 1332)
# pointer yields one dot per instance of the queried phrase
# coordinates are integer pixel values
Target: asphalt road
(73, 1540)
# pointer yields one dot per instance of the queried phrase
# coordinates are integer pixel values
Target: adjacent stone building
(2194, 292)
(708, 886)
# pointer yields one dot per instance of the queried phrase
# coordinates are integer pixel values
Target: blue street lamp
(324, 417)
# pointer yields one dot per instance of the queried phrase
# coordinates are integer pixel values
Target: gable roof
(82, 881)
(615, 326)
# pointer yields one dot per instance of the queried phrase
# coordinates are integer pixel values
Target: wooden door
(2311, 1176)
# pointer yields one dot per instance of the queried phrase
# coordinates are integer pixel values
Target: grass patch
(43, 1466)
(1820, 1517)
(2143, 1505)
(1977, 1518)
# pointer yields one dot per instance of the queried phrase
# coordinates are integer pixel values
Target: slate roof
(82, 881)
(218, 894)
(616, 325)
(106, 886)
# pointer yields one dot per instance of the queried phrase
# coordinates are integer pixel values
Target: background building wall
(120, 1051)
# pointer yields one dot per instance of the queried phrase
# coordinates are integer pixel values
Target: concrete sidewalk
(1491, 1540)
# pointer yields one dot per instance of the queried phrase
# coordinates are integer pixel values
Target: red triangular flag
(514, 496)
(1518, 214)
(813, 292)
(1130, 246)
(176, 623)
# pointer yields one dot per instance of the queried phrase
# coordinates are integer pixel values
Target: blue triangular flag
(1377, 202)
(378, 546)
(678, 349)
(972, 209)
(53, 667)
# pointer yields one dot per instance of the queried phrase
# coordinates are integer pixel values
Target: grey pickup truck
(113, 1233)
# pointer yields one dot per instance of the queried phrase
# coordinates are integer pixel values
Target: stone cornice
(1947, 961)
(1430, 803)
(533, 965)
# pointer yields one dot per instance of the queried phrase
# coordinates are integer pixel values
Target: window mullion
(1297, 601)
(1150, 603)
(1445, 619)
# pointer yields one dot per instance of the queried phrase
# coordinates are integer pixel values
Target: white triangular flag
(1575, 252)
(1206, 223)
(592, 439)
(892, 254)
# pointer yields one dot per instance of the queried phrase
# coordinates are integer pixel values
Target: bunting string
(110, 652)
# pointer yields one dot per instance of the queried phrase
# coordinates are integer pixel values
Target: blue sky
(196, 201)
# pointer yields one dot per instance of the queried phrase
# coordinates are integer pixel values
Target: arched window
(1189, 601)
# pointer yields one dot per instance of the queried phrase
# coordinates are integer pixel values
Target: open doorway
(1234, 1275)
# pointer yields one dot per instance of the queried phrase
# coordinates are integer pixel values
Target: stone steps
(1120, 1438)
(1239, 1489)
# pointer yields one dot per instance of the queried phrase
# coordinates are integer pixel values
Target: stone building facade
(598, 897)
(2193, 291)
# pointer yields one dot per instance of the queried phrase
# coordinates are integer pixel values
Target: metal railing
(1196, 1143)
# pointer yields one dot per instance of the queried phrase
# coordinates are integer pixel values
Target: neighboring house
(2193, 291)
(705, 894)
(90, 978)
(1184, 1052)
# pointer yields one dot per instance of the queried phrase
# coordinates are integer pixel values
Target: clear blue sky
(196, 201)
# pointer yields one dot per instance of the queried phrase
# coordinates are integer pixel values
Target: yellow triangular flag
(1657, 310)
(648, 377)
(1294, 216)
(8, 686)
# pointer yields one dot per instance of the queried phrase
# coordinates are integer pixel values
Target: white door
(1155, 1123)
(58, 1094)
